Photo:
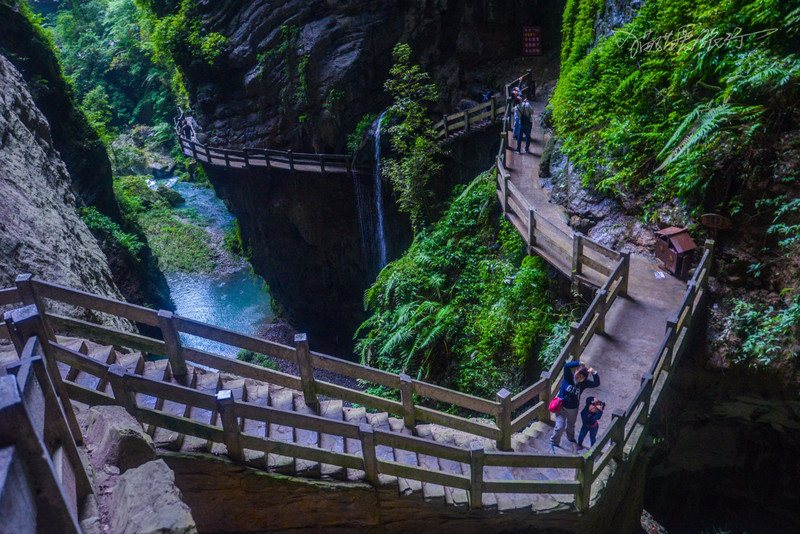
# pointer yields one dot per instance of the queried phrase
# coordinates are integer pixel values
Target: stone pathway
(636, 323)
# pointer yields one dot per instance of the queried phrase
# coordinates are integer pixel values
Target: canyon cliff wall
(81, 150)
(40, 230)
(300, 75)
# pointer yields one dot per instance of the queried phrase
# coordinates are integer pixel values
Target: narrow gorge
(275, 346)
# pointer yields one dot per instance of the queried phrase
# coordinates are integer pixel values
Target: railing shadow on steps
(625, 433)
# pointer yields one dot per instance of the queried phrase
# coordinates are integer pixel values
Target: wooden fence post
(246, 154)
(546, 395)
(14, 333)
(27, 322)
(575, 332)
(577, 250)
(367, 436)
(444, 125)
(226, 406)
(531, 226)
(306, 371)
(493, 108)
(626, 271)
(584, 494)
(618, 435)
(647, 382)
(601, 310)
(506, 179)
(291, 160)
(466, 121)
(672, 332)
(476, 460)
(118, 377)
(709, 246)
(27, 291)
(503, 419)
(172, 343)
(407, 398)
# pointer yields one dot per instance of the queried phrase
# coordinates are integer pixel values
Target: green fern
(700, 124)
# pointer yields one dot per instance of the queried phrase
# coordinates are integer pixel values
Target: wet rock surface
(118, 438)
(258, 94)
(602, 218)
(147, 501)
(40, 230)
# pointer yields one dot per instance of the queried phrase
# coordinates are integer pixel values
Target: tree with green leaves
(412, 138)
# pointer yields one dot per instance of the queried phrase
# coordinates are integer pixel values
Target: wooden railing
(570, 253)
(622, 437)
(263, 157)
(43, 480)
(471, 119)
(495, 108)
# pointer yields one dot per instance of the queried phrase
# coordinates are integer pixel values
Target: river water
(231, 296)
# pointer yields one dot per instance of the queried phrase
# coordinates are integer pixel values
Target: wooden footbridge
(494, 457)
(475, 118)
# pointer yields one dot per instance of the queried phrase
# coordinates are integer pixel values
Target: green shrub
(678, 120)
(769, 334)
(362, 130)
(464, 306)
(416, 150)
(104, 228)
(256, 358)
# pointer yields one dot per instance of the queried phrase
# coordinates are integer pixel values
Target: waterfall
(381, 237)
(366, 222)
(369, 202)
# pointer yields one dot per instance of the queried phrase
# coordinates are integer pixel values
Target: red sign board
(532, 41)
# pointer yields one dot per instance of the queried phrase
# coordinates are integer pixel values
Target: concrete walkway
(635, 324)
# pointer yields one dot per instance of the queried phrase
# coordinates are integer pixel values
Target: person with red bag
(576, 379)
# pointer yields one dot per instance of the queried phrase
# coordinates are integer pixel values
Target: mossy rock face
(170, 195)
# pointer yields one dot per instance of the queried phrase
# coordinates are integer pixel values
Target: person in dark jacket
(525, 112)
(589, 417)
(576, 379)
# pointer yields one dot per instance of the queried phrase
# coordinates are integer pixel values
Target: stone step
(453, 496)
(380, 421)
(307, 438)
(256, 393)
(154, 370)
(332, 409)
(430, 492)
(281, 398)
(353, 446)
(168, 439)
(405, 486)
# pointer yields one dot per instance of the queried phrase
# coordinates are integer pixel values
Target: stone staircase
(533, 439)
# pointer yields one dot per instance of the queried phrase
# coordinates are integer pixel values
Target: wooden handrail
(253, 157)
(587, 467)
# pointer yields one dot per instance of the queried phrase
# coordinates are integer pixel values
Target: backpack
(526, 111)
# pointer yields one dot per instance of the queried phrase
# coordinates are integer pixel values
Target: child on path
(590, 414)
(576, 379)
